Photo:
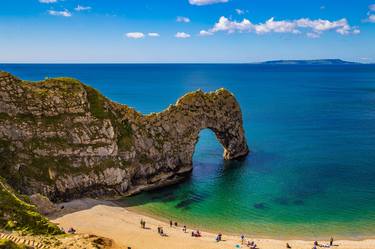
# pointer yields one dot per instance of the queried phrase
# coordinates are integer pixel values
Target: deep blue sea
(311, 131)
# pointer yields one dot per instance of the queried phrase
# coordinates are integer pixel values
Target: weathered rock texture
(63, 139)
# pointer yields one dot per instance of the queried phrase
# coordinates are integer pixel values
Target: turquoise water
(311, 131)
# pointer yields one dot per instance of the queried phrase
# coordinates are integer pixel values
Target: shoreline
(108, 219)
(258, 236)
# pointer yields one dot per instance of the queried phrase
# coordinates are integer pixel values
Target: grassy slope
(16, 214)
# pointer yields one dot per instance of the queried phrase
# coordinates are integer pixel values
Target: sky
(201, 31)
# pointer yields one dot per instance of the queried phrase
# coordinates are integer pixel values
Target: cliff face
(63, 139)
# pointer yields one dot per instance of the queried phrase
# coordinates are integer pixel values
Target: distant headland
(310, 62)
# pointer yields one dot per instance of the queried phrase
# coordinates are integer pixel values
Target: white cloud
(183, 19)
(82, 8)
(153, 34)
(205, 33)
(48, 1)
(356, 31)
(276, 26)
(371, 18)
(206, 2)
(135, 35)
(316, 27)
(182, 35)
(240, 12)
(370, 14)
(64, 13)
(224, 24)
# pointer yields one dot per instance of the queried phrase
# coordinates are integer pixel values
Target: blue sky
(185, 30)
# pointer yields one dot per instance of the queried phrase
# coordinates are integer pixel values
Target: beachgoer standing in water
(331, 242)
(170, 223)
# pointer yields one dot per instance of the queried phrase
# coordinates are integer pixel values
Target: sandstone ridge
(63, 139)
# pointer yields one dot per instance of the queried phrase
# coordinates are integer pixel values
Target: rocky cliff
(63, 139)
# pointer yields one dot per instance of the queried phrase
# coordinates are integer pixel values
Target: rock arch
(182, 122)
(63, 139)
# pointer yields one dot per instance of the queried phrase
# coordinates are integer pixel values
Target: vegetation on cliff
(17, 214)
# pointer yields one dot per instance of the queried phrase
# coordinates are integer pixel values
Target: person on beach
(242, 239)
(184, 229)
(218, 237)
(198, 234)
(331, 242)
(175, 224)
(170, 223)
(143, 224)
(288, 246)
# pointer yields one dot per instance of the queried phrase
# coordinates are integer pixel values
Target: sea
(311, 131)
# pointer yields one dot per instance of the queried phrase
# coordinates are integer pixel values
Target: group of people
(196, 234)
(250, 244)
(171, 223)
(316, 244)
(161, 231)
(71, 230)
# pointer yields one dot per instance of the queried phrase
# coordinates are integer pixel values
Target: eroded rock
(63, 139)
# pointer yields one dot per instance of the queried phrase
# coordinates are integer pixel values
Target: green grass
(96, 102)
(16, 214)
(97, 109)
(125, 138)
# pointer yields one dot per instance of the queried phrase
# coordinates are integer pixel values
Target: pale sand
(104, 218)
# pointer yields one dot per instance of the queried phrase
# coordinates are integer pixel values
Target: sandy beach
(105, 218)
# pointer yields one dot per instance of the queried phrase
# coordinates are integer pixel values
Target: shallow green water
(259, 201)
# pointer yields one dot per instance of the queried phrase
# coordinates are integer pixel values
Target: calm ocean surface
(311, 130)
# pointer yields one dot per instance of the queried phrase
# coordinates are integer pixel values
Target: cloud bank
(313, 28)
